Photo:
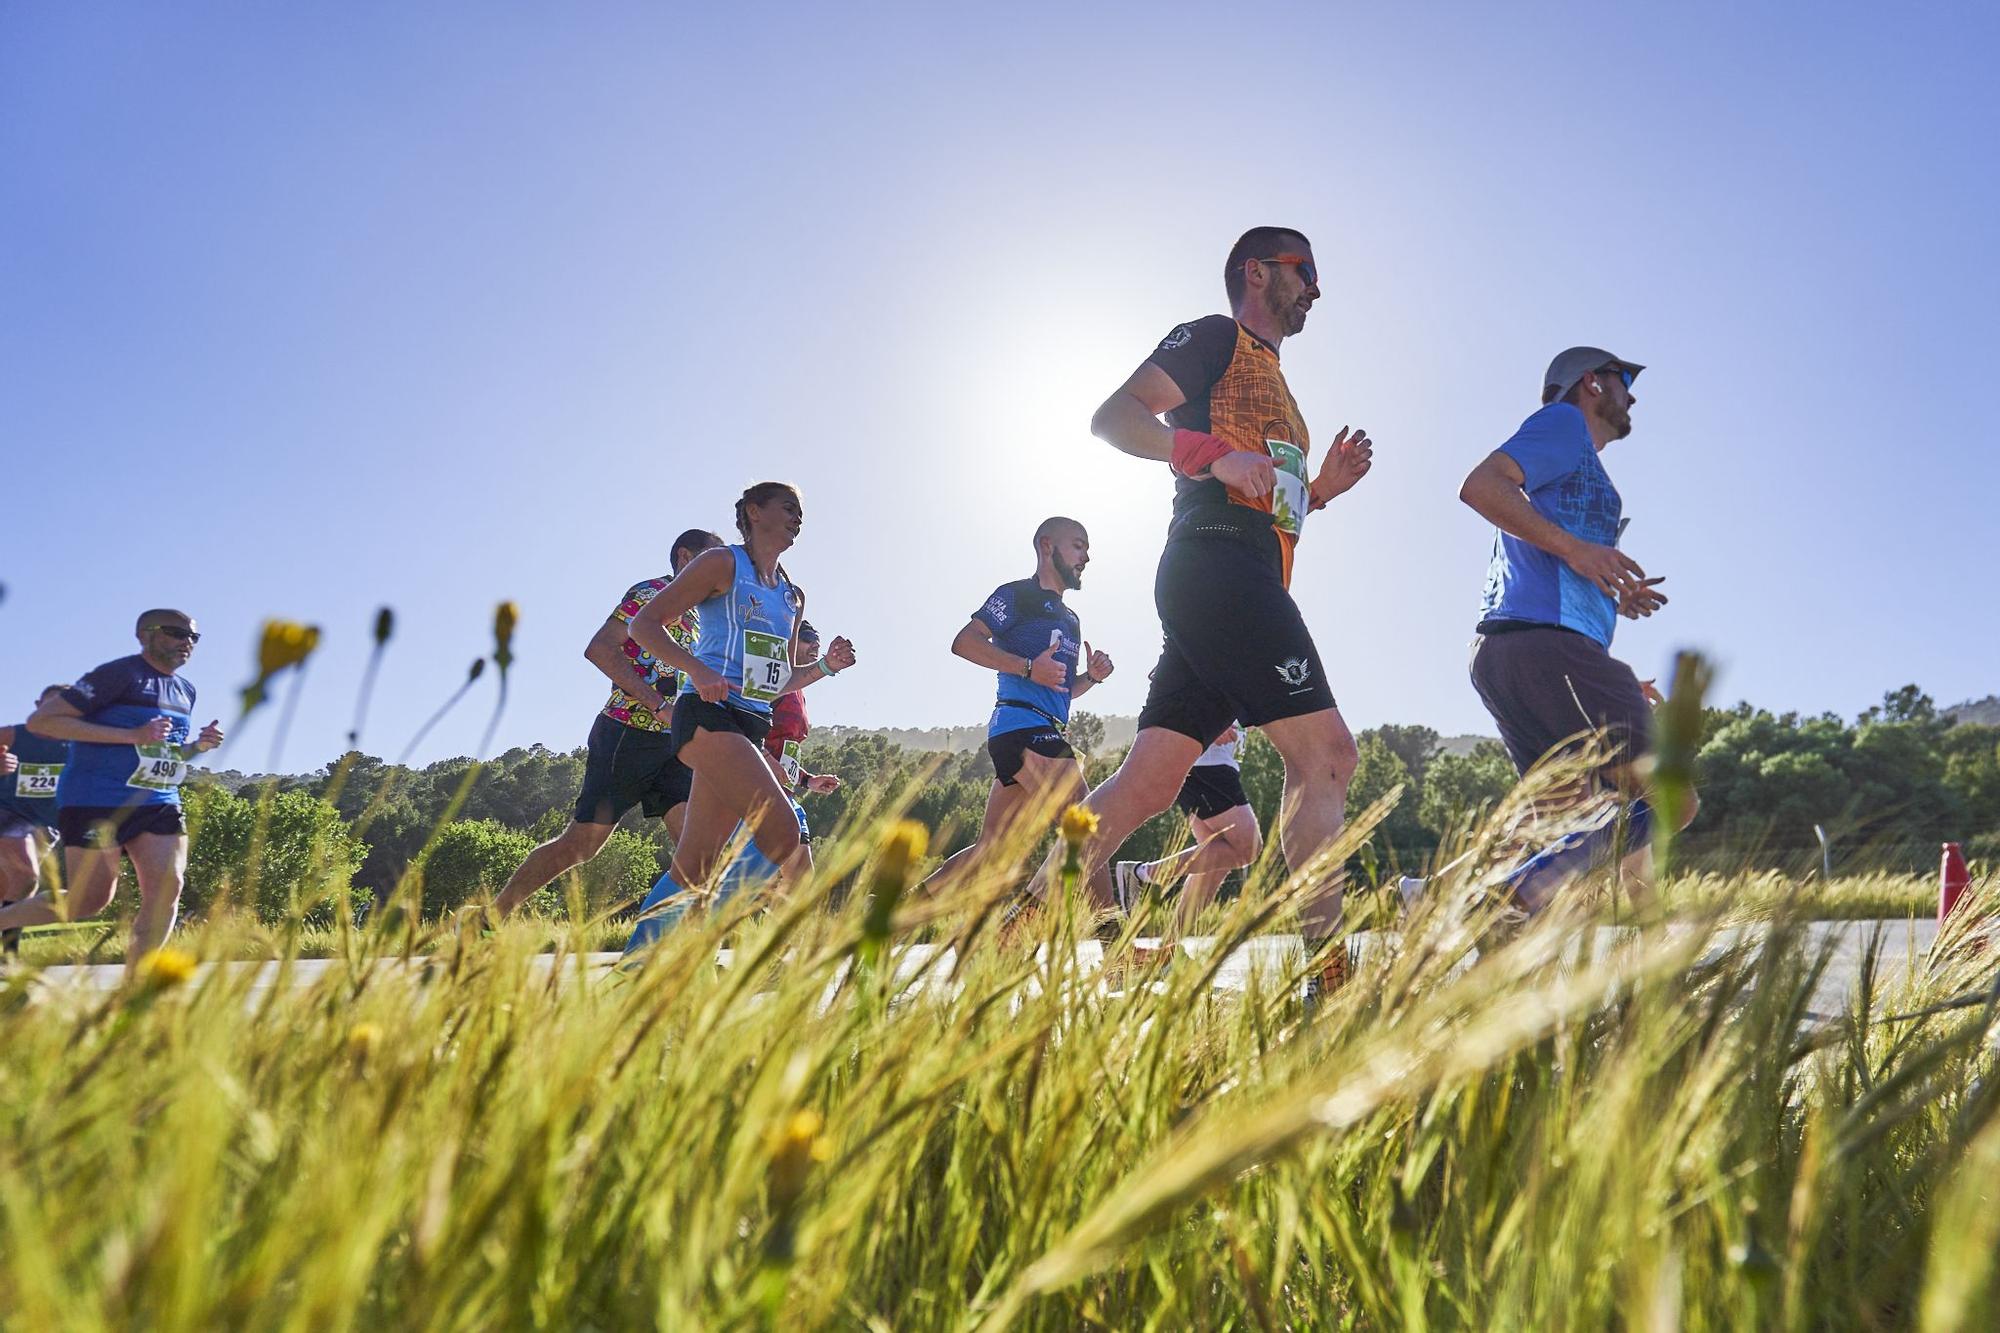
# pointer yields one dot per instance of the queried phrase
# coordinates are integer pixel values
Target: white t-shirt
(1222, 752)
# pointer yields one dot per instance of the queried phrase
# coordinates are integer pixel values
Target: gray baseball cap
(1574, 364)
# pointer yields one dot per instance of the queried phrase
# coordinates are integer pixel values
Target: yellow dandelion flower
(362, 1039)
(1078, 823)
(505, 617)
(903, 850)
(285, 643)
(164, 969)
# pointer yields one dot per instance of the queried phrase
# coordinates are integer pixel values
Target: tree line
(1779, 791)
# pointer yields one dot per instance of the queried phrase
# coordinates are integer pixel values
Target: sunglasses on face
(1308, 271)
(1624, 376)
(181, 632)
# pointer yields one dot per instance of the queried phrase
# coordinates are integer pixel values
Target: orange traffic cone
(1952, 879)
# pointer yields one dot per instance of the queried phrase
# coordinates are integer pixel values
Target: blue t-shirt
(128, 693)
(1025, 618)
(745, 636)
(30, 790)
(1568, 486)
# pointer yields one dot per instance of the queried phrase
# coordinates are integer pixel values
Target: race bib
(1289, 496)
(766, 665)
(161, 767)
(789, 762)
(37, 781)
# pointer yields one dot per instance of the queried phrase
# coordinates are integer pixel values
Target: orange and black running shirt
(1236, 392)
(627, 708)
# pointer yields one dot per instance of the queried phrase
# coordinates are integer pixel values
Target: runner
(665, 904)
(1236, 646)
(745, 656)
(1556, 584)
(128, 725)
(30, 767)
(1032, 640)
(631, 743)
(1226, 836)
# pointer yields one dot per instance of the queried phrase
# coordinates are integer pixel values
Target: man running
(745, 656)
(631, 743)
(1033, 642)
(1236, 646)
(1557, 582)
(30, 767)
(128, 725)
(1225, 832)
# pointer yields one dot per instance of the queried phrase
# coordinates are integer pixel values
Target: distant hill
(1976, 712)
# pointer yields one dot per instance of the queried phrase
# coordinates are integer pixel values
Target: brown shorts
(1548, 687)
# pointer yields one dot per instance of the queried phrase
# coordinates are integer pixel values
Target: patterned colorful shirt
(626, 708)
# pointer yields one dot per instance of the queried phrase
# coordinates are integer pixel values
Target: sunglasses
(1624, 376)
(176, 632)
(1308, 271)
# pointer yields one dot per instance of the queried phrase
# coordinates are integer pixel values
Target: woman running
(742, 660)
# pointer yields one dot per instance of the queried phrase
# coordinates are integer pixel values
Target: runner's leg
(1229, 841)
(92, 877)
(576, 844)
(732, 782)
(1144, 785)
(20, 867)
(1320, 755)
(1004, 805)
(160, 859)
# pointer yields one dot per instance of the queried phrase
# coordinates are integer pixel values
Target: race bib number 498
(161, 767)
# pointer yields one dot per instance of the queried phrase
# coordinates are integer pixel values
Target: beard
(1071, 577)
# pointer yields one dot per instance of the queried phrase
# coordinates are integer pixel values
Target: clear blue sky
(306, 309)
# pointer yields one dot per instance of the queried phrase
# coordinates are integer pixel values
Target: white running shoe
(1409, 888)
(1126, 885)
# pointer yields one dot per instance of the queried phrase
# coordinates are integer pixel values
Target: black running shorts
(1237, 650)
(693, 713)
(1212, 789)
(101, 828)
(1006, 749)
(1546, 686)
(629, 766)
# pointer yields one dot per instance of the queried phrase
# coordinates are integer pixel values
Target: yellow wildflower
(285, 643)
(362, 1039)
(163, 969)
(505, 617)
(902, 851)
(1078, 823)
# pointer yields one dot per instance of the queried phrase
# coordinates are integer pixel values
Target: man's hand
(1099, 666)
(1642, 600)
(9, 761)
(1608, 567)
(1228, 735)
(709, 684)
(210, 739)
(1047, 671)
(1345, 463)
(150, 733)
(823, 783)
(1652, 693)
(665, 704)
(839, 654)
(1246, 474)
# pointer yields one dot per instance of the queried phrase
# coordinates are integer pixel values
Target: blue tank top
(128, 693)
(30, 790)
(746, 636)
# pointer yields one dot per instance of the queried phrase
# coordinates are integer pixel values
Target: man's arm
(1493, 490)
(1129, 419)
(975, 644)
(1096, 670)
(60, 720)
(606, 652)
(707, 575)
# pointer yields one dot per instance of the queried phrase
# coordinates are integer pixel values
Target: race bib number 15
(766, 665)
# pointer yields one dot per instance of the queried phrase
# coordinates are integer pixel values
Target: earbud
(1595, 387)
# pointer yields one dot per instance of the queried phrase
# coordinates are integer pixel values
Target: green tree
(1461, 787)
(286, 854)
(1086, 733)
(468, 863)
